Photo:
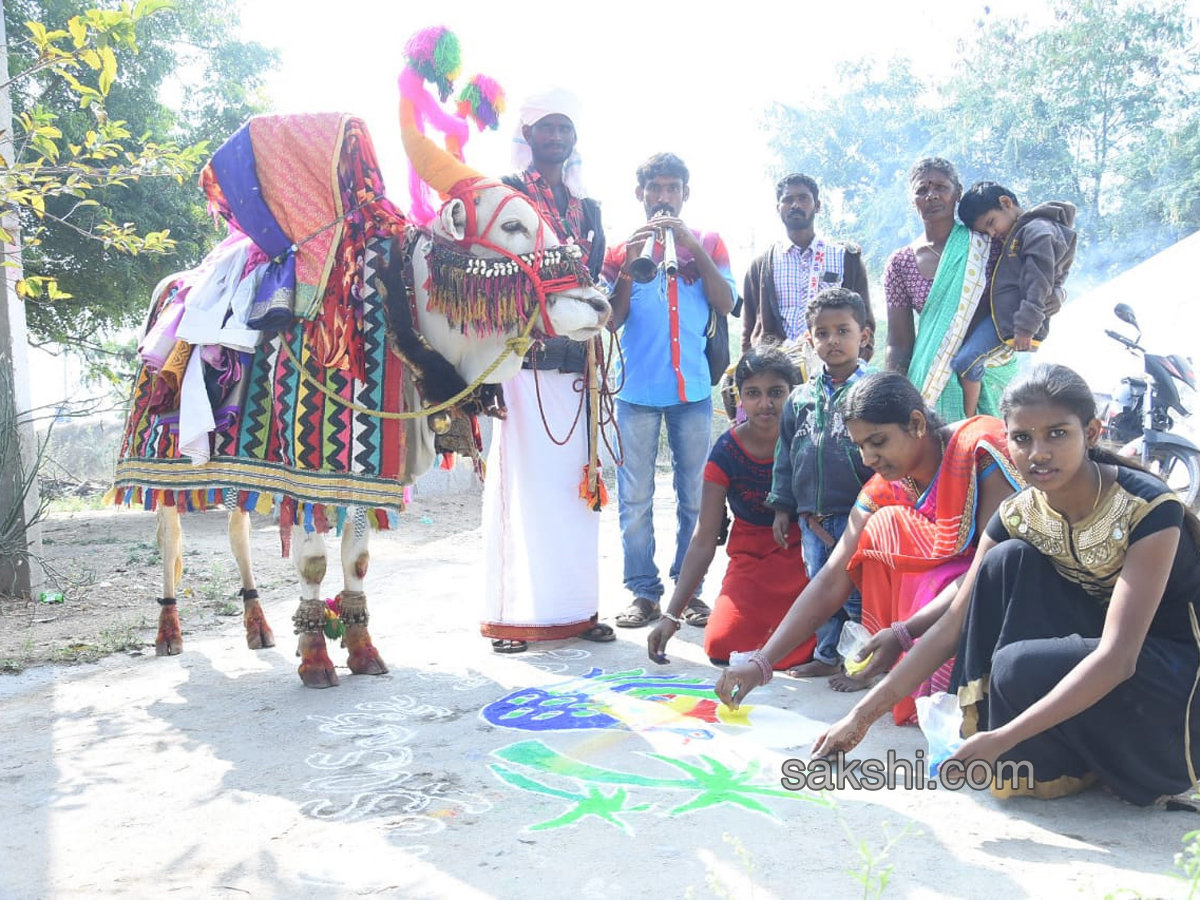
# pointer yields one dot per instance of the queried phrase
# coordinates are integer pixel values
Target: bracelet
(764, 665)
(903, 635)
(678, 621)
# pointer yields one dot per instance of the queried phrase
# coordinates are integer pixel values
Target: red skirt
(761, 583)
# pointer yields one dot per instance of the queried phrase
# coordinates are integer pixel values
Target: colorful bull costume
(295, 368)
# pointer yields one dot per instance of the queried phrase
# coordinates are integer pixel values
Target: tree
(1095, 109)
(859, 146)
(107, 283)
(52, 173)
(1071, 106)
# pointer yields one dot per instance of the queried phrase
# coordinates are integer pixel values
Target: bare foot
(847, 685)
(814, 669)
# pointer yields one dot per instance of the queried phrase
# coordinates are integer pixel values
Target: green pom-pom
(433, 53)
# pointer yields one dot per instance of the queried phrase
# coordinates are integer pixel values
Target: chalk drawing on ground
(711, 764)
(372, 777)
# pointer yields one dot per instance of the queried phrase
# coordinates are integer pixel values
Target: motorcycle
(1135, 426)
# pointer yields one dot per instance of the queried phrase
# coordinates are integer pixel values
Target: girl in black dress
(1078, 647)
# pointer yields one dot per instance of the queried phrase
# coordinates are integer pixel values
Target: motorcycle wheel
(1180, 469)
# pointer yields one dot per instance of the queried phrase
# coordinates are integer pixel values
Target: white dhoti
(541, 541)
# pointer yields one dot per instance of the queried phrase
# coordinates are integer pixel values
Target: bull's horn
(437, 168)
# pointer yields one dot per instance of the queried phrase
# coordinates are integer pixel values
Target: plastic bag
(940, 718)
(737, 657)
(854, 638)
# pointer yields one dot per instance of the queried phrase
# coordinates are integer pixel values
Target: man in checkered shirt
(781, 282)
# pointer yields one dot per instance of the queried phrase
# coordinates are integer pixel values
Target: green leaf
(108, 73)
(38, 30)
(145, 8)
(78, 31)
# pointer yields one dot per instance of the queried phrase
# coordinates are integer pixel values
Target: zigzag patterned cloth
(279, 440)
(289, 444)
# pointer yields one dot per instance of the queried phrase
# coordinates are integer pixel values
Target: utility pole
(20, 572)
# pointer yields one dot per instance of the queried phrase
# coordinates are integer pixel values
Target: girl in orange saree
(917, 543)
(911, 535)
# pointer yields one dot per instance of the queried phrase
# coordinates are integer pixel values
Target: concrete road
(573, 770)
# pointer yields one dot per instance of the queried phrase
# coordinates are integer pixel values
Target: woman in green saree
(936, 289)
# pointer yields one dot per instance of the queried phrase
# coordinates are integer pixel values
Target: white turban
(535, 108)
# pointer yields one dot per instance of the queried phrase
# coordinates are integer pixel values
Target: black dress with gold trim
(1038, 609)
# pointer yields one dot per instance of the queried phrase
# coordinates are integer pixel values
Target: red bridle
(464, 192)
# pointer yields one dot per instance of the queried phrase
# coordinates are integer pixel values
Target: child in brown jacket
(1027, 284)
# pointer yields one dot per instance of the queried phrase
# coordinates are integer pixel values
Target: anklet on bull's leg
(309, 618)
(169, 640)
(258, 633)
(316, 668)
(352, 606)
(362, 657)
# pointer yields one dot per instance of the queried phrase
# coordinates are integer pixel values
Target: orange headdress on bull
(432, 55)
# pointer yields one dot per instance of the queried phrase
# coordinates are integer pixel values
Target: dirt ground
(574, 769)
(106, 566)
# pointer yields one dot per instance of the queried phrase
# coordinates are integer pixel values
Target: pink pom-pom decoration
(433, 53)
(483, 101)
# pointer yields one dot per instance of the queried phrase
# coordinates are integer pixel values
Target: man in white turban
(553, 105)
(541, 540)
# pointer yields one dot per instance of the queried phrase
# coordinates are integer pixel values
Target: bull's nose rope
(518, 345)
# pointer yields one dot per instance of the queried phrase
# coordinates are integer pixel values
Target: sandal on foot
(599, 634)
(639, 614)
(697, 613)
(501, 646)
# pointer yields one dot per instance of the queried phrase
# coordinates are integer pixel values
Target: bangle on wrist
(764, 665)
(900, 630)
(673, 618)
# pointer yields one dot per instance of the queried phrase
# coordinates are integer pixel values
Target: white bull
(506, 225)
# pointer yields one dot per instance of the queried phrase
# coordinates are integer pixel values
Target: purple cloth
(235, 168)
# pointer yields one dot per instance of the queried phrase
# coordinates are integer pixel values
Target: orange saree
(914, 545)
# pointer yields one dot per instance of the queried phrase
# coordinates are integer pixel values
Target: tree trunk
(20, 572)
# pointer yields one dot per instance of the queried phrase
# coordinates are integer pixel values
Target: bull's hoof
(363, 658)
(169, 640)
(258, 633)
(316, 668)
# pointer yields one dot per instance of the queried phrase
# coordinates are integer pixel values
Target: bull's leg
(169, 640)
(363, 658)
(258, 632)
(316, 669)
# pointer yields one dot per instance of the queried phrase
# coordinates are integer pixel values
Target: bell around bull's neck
(437, 167)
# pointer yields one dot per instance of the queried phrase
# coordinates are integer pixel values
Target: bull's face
(508, 220)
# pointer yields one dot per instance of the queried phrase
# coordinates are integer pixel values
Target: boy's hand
(780, 527)
(1022, 341)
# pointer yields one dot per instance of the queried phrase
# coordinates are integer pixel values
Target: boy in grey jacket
(818, 470)
(1027, 283)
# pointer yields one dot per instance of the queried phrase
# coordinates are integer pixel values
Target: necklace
(911, 483)
(1099, 487)
(936, 252)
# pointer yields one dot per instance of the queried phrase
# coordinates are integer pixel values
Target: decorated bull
(296, 369)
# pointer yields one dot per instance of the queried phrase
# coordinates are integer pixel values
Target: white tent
(1164, 292)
